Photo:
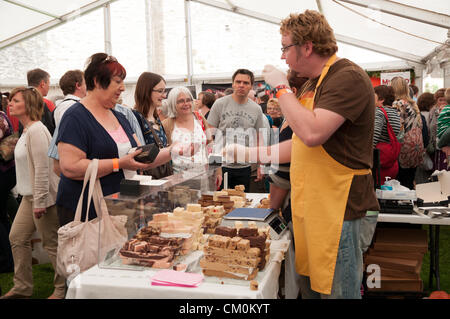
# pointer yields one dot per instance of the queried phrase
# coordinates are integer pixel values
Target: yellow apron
(319, 191)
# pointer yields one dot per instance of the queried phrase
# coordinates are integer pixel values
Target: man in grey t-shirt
(238, 120)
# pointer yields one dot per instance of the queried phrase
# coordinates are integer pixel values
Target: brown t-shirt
(347, 90)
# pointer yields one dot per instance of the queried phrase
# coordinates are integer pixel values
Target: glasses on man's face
(160, 91)
(285, 48)
(182, 101)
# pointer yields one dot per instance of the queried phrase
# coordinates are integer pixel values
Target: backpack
(389, 152)
(412, 151)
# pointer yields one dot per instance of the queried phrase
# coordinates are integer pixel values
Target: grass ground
(42, 277)
(444, 262)
(43, 274)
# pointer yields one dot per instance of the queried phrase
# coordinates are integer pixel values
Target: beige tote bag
(82, 244)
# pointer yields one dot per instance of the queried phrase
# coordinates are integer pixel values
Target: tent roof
(20, 19)
(414, 31)
(420, 27)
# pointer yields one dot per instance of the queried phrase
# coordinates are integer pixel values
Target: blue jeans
(367, 230)
(349, 267)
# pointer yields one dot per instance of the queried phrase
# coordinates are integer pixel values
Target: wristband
(115, 164)
(282, 86)
(282, 92)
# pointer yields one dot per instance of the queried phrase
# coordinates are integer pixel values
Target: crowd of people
(323, 118)
(418, 124)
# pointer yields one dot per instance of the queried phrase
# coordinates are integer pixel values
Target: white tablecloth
(98, 283)
(416, 218)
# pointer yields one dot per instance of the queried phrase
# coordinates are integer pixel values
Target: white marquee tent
(387, 35)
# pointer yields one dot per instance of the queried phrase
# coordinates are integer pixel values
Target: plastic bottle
(386, 186)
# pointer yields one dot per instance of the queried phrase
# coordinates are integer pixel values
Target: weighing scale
(262, 218)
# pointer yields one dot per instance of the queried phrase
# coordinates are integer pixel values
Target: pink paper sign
(176, 278)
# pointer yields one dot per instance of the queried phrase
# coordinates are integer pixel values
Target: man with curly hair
(331, 156)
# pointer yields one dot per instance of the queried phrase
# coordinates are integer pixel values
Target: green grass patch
(42, 281)
(444, 262)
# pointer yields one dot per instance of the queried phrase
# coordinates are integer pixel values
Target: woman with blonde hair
(38, 185)
(412, 151)
(274, 111)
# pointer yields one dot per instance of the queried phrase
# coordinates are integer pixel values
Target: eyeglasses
(184, 101)
(160, 91)
(284, 49)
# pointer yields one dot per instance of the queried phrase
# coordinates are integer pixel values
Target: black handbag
(164, 169)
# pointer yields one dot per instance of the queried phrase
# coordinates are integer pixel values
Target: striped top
(380, 133)
(443, 122)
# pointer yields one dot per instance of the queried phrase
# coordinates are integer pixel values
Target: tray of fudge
(165, 238)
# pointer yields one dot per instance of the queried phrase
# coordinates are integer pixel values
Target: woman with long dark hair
(148, 96)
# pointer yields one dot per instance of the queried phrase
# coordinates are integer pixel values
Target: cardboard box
(386, 272)
(390, 272)
(435, 192)
(398, 239)
(395, 254)
(405, 265)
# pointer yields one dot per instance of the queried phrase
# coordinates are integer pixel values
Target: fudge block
(247, 232)
(226, 231)
(225, 274)
(232, 245)
(194, 208)
(243, 244)
(211, 250)
(219, 241)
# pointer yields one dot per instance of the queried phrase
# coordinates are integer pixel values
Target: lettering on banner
(373, 276)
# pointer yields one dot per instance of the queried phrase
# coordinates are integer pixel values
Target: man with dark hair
(40, 79)
(238, 117)
(73, 85)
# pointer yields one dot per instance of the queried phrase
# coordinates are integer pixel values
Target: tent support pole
(107, 26)
(187, 13)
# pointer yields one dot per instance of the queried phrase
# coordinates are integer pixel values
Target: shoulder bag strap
(87, 177)
(155, 135)
(200, 119)
(391, 133)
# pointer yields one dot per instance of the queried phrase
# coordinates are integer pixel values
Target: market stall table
(97, 283)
